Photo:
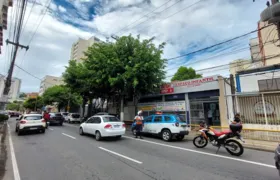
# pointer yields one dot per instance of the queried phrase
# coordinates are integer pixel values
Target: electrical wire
(217, 44)
(34, 1)
(142, 17)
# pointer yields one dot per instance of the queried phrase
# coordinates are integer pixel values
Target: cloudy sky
(185, 25)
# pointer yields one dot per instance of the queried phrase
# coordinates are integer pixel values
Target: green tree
(33, 103)
(13, 106)
(184, 73)
(22, 95)
(128, 67)
(78, 80)
(60, 95)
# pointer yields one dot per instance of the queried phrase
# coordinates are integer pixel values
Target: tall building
(49, 81)
(14, 90)
(79, 47)
(239, 65)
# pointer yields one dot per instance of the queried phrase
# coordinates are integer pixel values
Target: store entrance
(211, 113)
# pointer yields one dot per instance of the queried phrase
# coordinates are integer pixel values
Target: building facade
(32, 95)
(79, 47)
(4, 6)
(49, 81)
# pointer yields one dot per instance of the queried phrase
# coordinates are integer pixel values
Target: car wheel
(166, 135)
(98, 136)
(61, 124)
(43, 131)
(19, 132)
(69, 121)
(81, 131)
(119, 137)
(16, 129)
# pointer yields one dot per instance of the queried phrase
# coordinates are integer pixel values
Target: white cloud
(191, 29)
(62, 9)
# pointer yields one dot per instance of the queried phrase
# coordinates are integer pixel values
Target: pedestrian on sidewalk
(47, 117)
(139, 124)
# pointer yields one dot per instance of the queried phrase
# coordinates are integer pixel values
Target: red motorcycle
(221, 139)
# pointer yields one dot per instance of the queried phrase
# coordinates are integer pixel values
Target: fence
(260, 114)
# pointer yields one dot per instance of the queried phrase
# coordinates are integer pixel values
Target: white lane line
(205, 153)
(13, 156)
(51, 129)
(139, 162)
(68, 135)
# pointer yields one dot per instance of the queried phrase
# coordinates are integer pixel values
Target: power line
(34, 1)
(226, 53)
(142, 17)
(218, 44)
(237, 65)
(172, 14)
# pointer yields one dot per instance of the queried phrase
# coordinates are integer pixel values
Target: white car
(30, 122)
(73, 117)
(103, 126)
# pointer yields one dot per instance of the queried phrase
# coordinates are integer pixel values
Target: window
(180, 118)
(168, 119)
(33, 117)
(110, 119)
(149, 119)
(158, 119)
(76, 115)
(96, 120)
(90, 120)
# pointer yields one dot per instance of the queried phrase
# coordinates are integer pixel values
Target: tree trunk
(122, 108)
(84, 106)
(90, 107)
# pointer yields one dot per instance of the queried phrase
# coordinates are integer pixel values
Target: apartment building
(14, 89)
(79, 47)
(49, 81)
(4, 6)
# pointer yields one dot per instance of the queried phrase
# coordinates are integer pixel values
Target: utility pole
(232, 87)
(17, 45)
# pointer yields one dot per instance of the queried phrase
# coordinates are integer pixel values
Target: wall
(249, 82)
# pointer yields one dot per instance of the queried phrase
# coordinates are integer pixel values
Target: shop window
(158, 119)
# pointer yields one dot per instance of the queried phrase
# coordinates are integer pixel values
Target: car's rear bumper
(55, 121)
(110, 133)
(32, 128)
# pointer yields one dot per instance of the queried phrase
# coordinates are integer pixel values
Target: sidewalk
(249, 143)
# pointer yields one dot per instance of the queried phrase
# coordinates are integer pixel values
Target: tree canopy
(60, 95)
(33, 103)
(127, 68)
(22, 95)
(185, 73)
(15, 106)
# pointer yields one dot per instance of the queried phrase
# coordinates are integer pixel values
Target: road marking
(68, 135)
(205, 153)
(13, 156)
(139, 162)
(51, 129)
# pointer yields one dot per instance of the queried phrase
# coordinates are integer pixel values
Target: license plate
(116, 126)
(32, 128)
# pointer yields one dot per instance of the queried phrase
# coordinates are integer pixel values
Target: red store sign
(167, 89)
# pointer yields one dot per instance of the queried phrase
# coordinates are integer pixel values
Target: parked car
(56, 118)
(277, 158)
(102, 113)
(165, 125)
(14, 114)
(74, 118)
(64, 114)
(30, 122)
(103, 126)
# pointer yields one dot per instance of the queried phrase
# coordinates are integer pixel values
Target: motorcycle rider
(236, 119)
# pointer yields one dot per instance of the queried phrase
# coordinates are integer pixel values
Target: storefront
(197, 100)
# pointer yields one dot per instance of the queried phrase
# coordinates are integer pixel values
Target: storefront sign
(202, 84)
(259, 109)
(167, 88)
(147, 106)
(163, 106)
(171, 106)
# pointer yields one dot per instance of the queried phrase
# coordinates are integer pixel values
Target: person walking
(139, 124)
(47, 117)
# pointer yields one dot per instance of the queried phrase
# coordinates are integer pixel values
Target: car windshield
(64, 114)
(75, 115)
(110, 119)
(180, 118)
(33, 117)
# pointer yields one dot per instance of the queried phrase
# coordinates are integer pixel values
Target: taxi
(166, 126)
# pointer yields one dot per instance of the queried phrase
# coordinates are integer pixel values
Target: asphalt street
(62, 154)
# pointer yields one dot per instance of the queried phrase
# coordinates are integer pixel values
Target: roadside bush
(3, 117)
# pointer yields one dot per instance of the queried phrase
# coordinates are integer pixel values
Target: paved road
(62, 154)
